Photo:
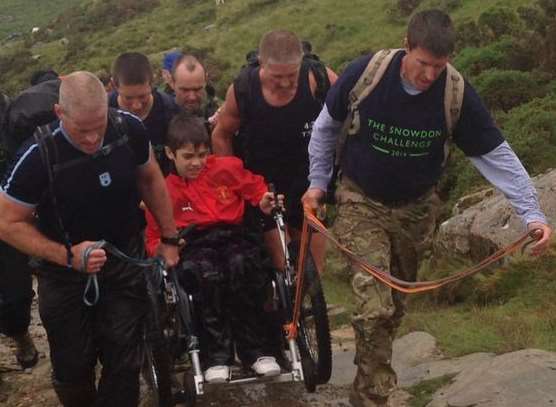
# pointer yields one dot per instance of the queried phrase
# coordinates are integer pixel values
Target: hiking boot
(217, 374)
(26, 353)
(266, 366)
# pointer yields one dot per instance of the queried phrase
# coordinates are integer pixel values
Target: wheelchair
(172, 333)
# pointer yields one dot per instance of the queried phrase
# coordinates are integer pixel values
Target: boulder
(523, 378)
(479, 229)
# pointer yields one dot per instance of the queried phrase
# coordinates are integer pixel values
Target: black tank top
(275, 139)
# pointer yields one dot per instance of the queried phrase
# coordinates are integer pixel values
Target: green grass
(422, 393)
(23, 15)
(521, 312)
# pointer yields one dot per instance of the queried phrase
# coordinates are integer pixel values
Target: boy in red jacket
(220, 262)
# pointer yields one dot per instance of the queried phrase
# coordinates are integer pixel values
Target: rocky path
(518, 379)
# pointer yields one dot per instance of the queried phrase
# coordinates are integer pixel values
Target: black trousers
(229, 274)
(111, 331)
(16, 291)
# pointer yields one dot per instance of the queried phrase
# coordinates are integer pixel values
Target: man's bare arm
(154, 193)
(18, 230)
(228, 124)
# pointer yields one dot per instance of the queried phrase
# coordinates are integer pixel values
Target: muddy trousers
(16, 291)
(393, 239)
(110, 332)
(229, 276)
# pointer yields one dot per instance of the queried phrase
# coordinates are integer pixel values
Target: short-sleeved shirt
(398, 154)
(163, 110)
(97, 198)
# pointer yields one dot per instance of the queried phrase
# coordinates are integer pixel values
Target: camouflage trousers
(393, 239)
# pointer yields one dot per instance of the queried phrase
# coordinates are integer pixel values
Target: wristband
(172, 241)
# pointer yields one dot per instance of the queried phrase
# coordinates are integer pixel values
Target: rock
(517, 379)
(482, 228)
(414, 348)
(411, 376)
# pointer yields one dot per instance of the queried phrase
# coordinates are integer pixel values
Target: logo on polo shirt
(105, 179)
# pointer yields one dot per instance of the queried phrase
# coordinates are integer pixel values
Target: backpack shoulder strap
(242, 91)
(366, 83)
(119, 123)
(321, 77)
(453, 101)
(453, 97)
(43, 137)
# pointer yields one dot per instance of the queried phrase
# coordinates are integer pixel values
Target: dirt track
(32, 388)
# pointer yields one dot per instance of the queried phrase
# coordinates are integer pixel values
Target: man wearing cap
(166, 71)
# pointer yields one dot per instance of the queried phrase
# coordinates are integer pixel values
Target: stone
(517, 379)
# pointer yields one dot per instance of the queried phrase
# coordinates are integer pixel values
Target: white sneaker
(217, 374)
(266, 366)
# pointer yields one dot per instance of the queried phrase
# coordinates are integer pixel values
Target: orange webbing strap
(311, 223)
(415, 287)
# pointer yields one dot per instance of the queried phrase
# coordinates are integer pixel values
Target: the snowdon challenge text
(401, 142)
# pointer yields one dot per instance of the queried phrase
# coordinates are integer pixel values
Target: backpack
(453, 98)
(30, 109)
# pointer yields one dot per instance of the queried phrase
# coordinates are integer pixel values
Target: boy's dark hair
(186, 128)
(132, 68)
(433, 31)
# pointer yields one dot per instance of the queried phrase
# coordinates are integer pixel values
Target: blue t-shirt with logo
(398, 154)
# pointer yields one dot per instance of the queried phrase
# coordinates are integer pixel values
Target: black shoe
(26, 353)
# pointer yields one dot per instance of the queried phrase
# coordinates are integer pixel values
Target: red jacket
(217, 195)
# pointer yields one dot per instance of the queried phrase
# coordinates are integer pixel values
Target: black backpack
(30, 109)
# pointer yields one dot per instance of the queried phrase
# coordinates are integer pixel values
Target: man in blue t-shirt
(387, 202)
(55, 208)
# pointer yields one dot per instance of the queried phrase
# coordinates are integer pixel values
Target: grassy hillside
(22, 15)
(228, 32)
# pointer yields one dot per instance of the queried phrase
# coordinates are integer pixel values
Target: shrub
(531, 130)
(498, 21)
(468, 34)
(507, 54)
(503, 90)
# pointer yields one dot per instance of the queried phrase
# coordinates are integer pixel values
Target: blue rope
(92, 281)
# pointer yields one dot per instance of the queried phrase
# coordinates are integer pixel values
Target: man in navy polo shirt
(387, 202)
(104, 167)
(132, 78)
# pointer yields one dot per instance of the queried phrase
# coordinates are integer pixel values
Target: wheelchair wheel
(307, 364)
(314, 326)
(157, 366)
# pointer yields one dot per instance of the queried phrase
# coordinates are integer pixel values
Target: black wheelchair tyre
(307, 364)
(157, 367)
(314, 326)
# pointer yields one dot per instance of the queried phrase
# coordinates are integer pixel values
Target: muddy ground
(32, 387)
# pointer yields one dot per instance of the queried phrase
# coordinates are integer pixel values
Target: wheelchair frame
(179, 335)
